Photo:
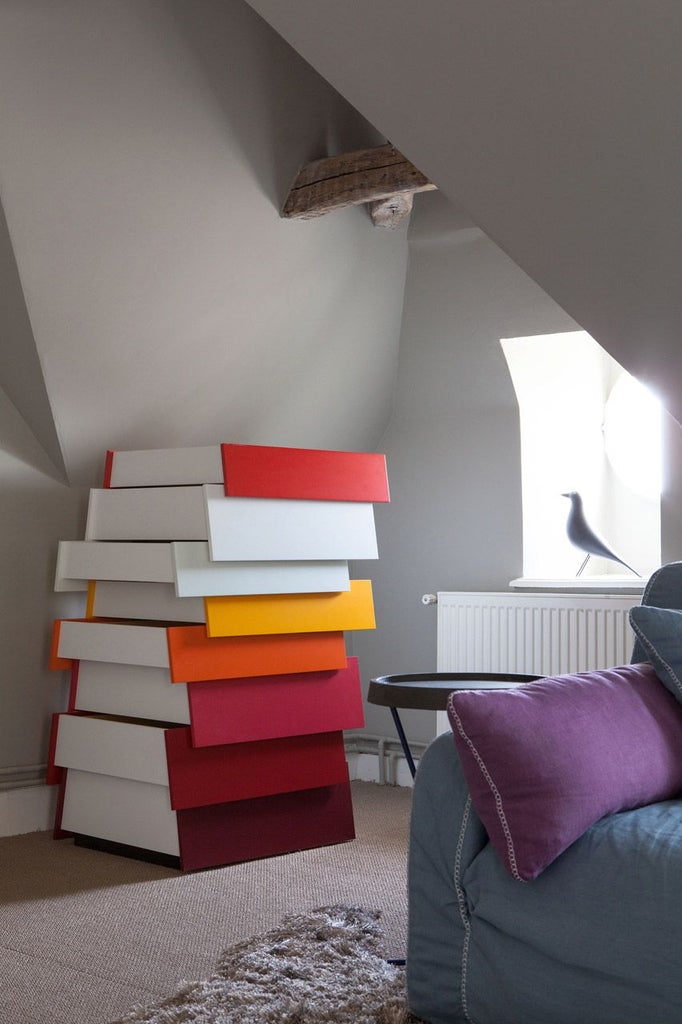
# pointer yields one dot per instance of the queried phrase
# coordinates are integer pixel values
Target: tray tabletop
(429, 691)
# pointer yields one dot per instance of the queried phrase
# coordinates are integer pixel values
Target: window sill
(582, 584)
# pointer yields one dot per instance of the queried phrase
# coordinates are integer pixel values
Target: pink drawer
(267, 707)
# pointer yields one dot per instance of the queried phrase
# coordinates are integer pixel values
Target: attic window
(587, 426)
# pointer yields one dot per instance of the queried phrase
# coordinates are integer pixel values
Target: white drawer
(120, 810)
(281, 529)
(79, 561)
(237, 529)
(161, 467)
(187, 564)
(113, 641)
(136, 691)
(111, 747)
(196, 575)
(146, 513)
(116, 599)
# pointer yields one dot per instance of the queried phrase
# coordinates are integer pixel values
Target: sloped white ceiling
(557, 128)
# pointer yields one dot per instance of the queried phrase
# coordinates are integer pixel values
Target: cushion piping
(499, 806)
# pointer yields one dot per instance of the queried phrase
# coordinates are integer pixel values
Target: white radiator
(540, 634)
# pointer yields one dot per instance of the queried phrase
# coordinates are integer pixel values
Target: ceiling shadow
(21, 375)
(278, 109)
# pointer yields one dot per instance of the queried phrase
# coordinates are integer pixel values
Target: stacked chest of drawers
(210, 685)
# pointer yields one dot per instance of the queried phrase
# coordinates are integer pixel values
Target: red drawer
(261, 471)
(241, 771)
(150, 753)
(251, 829)
(266, 707)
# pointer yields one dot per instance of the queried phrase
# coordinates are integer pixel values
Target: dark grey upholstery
(664, 590)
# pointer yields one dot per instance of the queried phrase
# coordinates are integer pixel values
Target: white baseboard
(365, 768)
(27, 809)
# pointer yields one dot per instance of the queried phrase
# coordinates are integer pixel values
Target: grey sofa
(596, 938)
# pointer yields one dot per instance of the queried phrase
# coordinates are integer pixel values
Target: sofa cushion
(546, 760)
(659, 630)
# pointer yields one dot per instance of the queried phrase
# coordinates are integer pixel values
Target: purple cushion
(546, 760)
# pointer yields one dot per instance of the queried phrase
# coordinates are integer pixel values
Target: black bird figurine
(582, 536)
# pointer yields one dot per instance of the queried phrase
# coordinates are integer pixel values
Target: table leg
(403, 741)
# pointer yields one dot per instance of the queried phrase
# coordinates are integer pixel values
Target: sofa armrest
(445, 836)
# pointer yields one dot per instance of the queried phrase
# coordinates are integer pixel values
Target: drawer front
(194, 656)
(79, 561)
(197, 776)
(190, 653)
(251, 829)
(260, 471)
(292, 613)
(249, 529)
(234, 710)
(244, 771)
(197, 576)
(112, 747)
(120, 810)
(121, 643)
(146, 513)
(134, 691)
(269, 472)
(164, 467)
(156, 601)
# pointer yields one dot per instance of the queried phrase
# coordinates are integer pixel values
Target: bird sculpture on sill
(582, 536)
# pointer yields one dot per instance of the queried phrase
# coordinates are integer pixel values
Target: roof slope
(555, 126)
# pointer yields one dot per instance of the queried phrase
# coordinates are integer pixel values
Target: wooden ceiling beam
(380, 176)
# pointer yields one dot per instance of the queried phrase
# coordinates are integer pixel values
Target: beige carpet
(85, 935)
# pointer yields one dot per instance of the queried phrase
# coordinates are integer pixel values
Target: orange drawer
(291, 613)
(194, 656)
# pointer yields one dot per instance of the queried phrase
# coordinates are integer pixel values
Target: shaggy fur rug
(323, 966)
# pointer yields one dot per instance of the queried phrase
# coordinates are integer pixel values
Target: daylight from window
(588, 426)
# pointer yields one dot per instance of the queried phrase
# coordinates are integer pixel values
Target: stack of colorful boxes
(209, 678)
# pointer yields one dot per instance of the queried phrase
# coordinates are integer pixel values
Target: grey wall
(454, 521)
(671, 496)
(145, 152)
(35, 512)
(555, 128)
(151, 294)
